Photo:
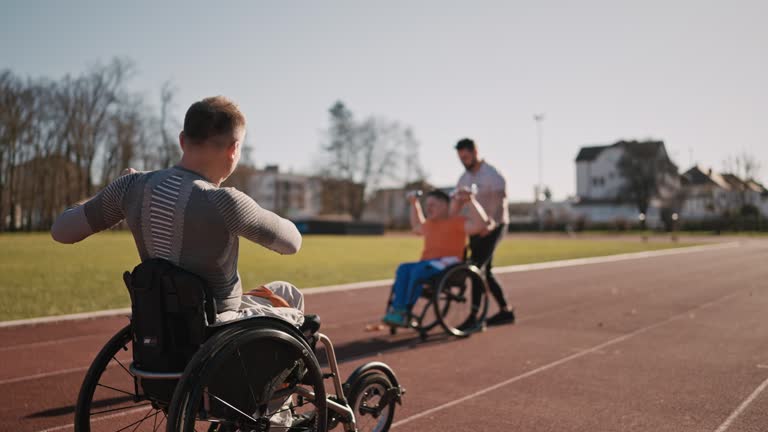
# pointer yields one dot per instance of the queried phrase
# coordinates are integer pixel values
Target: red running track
(673, 343)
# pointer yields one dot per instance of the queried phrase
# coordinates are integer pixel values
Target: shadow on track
(373, 346)
(70, 409)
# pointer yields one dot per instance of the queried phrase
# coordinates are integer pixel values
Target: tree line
(61, 140)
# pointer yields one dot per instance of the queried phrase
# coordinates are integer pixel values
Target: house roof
(699, 175)
(734, 181)
(590, 153)
(641, 149)
(757, 186)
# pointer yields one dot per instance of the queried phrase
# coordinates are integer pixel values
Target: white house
(291, 195)
(600, 183)
(710, 195)
(707, 194)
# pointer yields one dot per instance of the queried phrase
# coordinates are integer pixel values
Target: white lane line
(111, 416)
(384, 282)
(54, 342)
(50, 374)
(548, 265)
(42, 375)
(559, 362)
(727, 423)
(613, 258)
(70, 317)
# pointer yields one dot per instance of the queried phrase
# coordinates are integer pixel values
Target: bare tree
(744, 165)
(56, 137)
(170, 150)
(645, 167)
(365, 154)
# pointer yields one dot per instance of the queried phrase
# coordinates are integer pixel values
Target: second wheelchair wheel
(247, 378)
(460, 301)
(108, 400)
(371, 400)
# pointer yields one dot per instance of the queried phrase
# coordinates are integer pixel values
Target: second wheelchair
(456, 300)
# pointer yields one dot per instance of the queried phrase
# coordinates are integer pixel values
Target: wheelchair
(456, 299)
(174, 367)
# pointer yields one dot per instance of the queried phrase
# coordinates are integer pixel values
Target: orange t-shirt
(443, 238)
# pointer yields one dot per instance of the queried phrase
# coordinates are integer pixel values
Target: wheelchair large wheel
(108, 399)
(460, 301)
(371, 400)
(248, 377)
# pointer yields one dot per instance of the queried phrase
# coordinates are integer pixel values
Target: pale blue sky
(692, 73)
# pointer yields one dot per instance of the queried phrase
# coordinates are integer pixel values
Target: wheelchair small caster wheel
(393, 331)
(423, 335)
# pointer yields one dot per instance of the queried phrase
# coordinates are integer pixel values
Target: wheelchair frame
(431, 290)
(342, 407)
(333, 409)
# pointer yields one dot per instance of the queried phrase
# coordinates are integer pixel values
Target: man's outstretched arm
(477, 221)
(247, 219)
(93, 215)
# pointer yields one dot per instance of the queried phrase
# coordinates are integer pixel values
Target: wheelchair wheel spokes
(245, 380)
(108, 399)
(460, 301)
(426, 314)
(454, 304)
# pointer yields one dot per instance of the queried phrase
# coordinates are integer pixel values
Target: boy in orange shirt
(445, 229)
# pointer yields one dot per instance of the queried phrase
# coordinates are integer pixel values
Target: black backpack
(171, 309)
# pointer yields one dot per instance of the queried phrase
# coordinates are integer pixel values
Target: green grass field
(39, 277)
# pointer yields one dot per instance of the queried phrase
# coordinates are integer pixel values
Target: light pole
(538, 118)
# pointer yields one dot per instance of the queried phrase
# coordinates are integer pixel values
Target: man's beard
(471, 165)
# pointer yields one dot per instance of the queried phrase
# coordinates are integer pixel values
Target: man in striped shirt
(181, 214)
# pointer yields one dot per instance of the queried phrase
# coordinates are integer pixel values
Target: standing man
(492, 196)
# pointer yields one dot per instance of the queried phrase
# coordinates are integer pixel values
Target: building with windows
(601, 185)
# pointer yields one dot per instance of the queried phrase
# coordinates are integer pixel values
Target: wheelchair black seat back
(170, 314)
(189, 373)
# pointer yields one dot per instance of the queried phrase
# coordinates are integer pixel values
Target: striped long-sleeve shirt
(178, 215)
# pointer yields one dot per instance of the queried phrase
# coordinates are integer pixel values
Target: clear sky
(692, 73)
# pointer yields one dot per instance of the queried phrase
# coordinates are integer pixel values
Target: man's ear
(232, 150)
(181, 140)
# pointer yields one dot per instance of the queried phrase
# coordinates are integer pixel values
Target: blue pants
(407, 288)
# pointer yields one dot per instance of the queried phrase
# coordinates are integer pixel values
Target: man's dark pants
(482, 249)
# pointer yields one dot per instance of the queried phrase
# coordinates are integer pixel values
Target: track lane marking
(383, 282)
(54, 342)
(744, 405)
(50, 374)
(561, 361)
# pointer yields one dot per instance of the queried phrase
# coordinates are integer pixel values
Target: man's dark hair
(211, 117)
(465, 144)
(437, 193)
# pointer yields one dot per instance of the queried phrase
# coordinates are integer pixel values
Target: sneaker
(470, 324)
(396, 318)
(503, 317)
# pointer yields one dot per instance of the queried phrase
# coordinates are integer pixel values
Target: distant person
(183, 215)
(445, 236)
(491, 189)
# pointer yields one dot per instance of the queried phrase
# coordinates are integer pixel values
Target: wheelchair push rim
(108, 398)
(193, 405)
(460, 301)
